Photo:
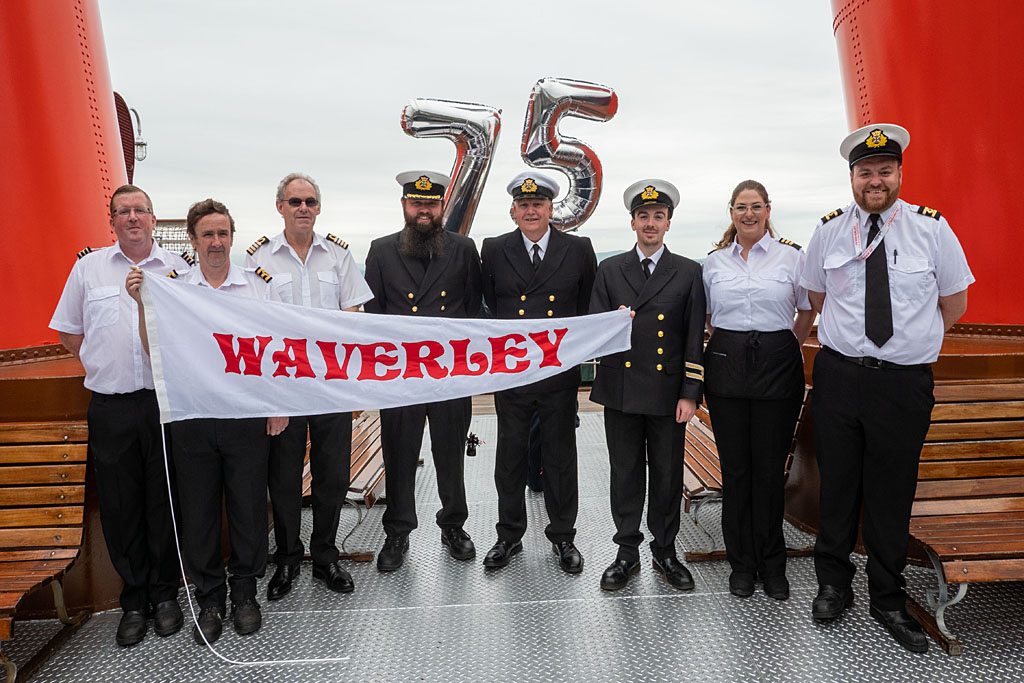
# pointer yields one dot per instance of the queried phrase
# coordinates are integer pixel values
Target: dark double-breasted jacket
(559, 288)
(446, 287)
(665, 362)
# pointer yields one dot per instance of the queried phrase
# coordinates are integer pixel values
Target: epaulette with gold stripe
(256, 245)
(173, 274)
(337, 240)
(789, 243)
(931, 213)
(87, 250)
(187, 258)
(263, 274)
(830, 215)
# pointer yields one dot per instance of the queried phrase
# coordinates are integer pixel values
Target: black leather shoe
(569, 558)
(336, 578)
(831, 602)
(617, 574)
(392, 555)
(903, 628)
(501, 553)
(247, 616)
(281, 582)
(167, 618)
(458, 542)
(776, 587)
(674, 572)
(211, 623)
(132, 628)
(741, 584)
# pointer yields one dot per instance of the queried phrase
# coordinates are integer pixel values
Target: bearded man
(424, 270)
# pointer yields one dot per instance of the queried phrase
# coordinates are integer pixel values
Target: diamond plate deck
(437, 619)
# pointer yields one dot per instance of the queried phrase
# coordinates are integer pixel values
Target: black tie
(646, 263)
(536, 256)
(877, 306)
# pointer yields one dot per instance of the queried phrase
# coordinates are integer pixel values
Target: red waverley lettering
(384, 361)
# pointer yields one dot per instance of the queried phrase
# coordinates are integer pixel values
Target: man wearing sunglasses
(309, 270)
(95, 320)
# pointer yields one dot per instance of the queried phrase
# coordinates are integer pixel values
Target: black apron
(758, 365)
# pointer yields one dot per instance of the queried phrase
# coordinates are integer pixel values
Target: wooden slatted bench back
(42, 504)
(969, 505)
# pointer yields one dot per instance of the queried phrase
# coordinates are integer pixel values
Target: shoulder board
(789, 243)
(830, 215)
(337, 240)
(712, 251)
(173, 274)
(931, 213)
(256, 245)
(87, 250)
(187, 257)
(263, 274)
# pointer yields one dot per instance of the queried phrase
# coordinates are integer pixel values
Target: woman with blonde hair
(758, 317)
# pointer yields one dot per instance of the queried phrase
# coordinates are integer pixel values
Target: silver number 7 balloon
(474, 129)
(543, 147)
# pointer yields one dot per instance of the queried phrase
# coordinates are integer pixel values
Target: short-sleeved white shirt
(328, 279)
(925, 262)
(762, 293)
(243, 281)
(95, 304)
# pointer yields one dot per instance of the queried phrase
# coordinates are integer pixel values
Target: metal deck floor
(437, 619)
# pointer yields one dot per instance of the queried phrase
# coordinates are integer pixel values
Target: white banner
(217, 354)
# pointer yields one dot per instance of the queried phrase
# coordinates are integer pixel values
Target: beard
(422, 241)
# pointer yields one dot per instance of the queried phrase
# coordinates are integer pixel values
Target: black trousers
(330, 456)
(869, 427)
(135, 512)
(753, 438)
(638, 444)
(557, 410)
(215, 461)
(401, 439)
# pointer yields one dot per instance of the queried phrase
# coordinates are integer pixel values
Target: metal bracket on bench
(939, 600)
(695, 505)
(10, 667)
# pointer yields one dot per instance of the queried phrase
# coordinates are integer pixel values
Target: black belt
(874, 363)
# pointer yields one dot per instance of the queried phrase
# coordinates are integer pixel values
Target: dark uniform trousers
(131, 480)
(330, 438)
(401, 438)
(215, 461)
(869, 427)
(446, 286)
(754, 391)
(514, 289)
(640, 389)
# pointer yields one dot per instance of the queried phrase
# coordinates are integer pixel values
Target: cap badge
(876, 139)
(424, 183)
(649, 193)
(528, 185)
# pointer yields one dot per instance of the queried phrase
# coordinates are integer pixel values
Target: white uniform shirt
(96, 304)
(761, 293)
(542, 243)
(328, 279)
(655, 257)
(925, 262)
(243, 281)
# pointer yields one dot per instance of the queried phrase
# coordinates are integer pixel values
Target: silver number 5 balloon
(543, 147)
(474, 129)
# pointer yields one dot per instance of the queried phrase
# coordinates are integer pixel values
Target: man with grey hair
(317, 272)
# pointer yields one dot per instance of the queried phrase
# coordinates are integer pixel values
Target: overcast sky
(235, 94)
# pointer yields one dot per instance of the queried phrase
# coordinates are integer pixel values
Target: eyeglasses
(742, 208)
(295, 202)
(139, 210)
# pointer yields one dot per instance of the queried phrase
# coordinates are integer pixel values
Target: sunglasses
(311, 202)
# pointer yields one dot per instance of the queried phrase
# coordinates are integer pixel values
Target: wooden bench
(968, 514)
(42, 503)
